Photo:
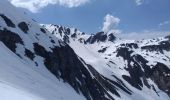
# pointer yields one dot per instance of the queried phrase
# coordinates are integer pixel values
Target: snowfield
(21, 81)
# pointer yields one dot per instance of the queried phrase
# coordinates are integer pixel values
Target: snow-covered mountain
(143, 66)
(50, 62)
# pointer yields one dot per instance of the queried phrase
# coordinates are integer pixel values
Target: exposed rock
(135, 70)
(81, 40)
(23, 26)
(98, 37)
(161, 76)
(66, 39)
(7, 21)
(29, 54)
(43, 30)
(164, 45)
(111, 37)
(160, 73)
(102, 50)
(10, 39)
(130, 45)
(60, 30)
(68, 31)
(74, 35)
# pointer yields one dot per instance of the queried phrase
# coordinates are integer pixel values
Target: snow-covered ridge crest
(67, 34)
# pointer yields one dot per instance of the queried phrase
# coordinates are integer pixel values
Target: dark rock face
(102, 50)
(68, 31)
(23, 26)
(160, 73)
(83, 33)
(74, 35)
(135, 70)
(60, 30)
(111, 38)
(101, 37)
(7, 21)
(52, 41)
(42, 30)
(10, 39)
(124, 52)
(161, 76)
(130, 45)
(89, 39)
(64, 30)
(75, 30)
(97, 38)
(82, 40)
(29, 54)
(66, 39)
(66, 34)
(164, 45)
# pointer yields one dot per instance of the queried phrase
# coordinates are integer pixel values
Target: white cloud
(139, 2)
(36, 5)
(110, 23)
(164, 23)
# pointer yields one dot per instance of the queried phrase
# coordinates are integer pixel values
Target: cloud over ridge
(110, 23)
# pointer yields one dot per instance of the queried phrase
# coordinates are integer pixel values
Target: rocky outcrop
(29, 54)
(163, 45)
(130, 45)
(43, 30)
(100, 36)
(102, 50)
(10, 39)
(161, 75)
(7, 21)
(139, 71)
(111, 38)
(23, 26)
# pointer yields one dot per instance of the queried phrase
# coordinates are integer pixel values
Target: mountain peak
(101, 37)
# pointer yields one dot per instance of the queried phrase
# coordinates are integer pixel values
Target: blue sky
(135, 16)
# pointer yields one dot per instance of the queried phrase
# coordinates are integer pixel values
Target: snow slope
(20, 80)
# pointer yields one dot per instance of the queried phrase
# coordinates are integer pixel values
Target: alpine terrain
(53, 62)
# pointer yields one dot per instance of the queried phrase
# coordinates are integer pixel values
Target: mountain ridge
(63, 63)
(150, 45)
